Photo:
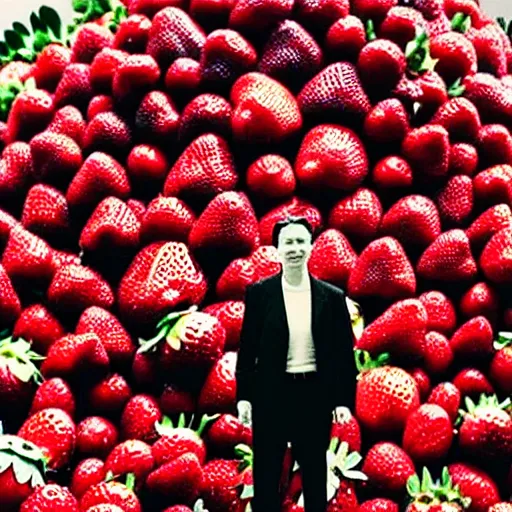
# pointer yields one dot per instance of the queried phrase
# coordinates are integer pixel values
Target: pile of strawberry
(147, 153)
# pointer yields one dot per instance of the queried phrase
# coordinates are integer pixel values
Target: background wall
(19, 10)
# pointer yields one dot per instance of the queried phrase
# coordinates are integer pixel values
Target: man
(295, 369)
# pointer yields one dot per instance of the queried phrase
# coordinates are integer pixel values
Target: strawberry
(428, 433)
(160, 277)
(178, 479)
(388, 333)
(139, 418)
(385, 396)
(112, 225)
(50, 66)
(114, 493)
(109, 396)
(18, 485)
(132, 34)
(72, 355)
(346, 37)
(50, 497)
(105, 507)
(438, 354)
(266, 261)
(167, 218)
(427, 494)
(177, 440)
(109, 133)
(54, 432)
(225, 57)
(336, 88)
(472, 382)
(490, 96)
(248, 15)
(132, 456)
(486, 428)
(235, 278)
(16, 169)
(463, 159)
(156, 119)
(373, 9)
(7, 223)
(204, 169)
(494, 185)
(100, 176)
(174, 400)
(205, 113)
(219, 389)
(87, 473)
(460, 117)
(473, 339)
(320, 16)
(401, 25)
(291, 55)
(379, 505)
(348, 431)
(447, 396)
(387, 122)
(383, 62)
(413, 220)
(331, 156)
(495, 145)
(455, 200)
(480, 299)
(88, 41)
(448, 258)
(183, 77)
(174, 34)
(388, 467)
(384, 270)
(147, 163)
(211, 11)
(427, 150)
(228, 223)
(27, 257)
(489, 49)
(95, 437)
(475, 484)
(392, 172)
(75, 288)
(151, 7)
(54, 393)
(45, 211)
(70, 122)
(16, 71)
(226, 433)
(294, 206)
(75, 87)
(468, 8)
(264, 110)
(103, 69)
(10, 305)
(100, 103)
(332, 258)
(135, 74)
(501, 507)
(271, 176)
(495, 261)
(422, 380)
(499, 369)
(30, 113)
(456, 56)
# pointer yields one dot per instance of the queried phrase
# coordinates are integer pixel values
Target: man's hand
(341, 414)
(245, 412)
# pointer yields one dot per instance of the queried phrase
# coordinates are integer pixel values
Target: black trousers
(295, 413)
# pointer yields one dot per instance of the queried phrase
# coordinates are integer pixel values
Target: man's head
(293, 238)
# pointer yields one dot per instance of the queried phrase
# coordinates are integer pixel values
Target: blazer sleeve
(247, 352)
(347, 391)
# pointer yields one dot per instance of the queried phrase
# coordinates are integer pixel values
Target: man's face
(294, 245)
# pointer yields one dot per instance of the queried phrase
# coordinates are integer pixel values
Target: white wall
(19, 10)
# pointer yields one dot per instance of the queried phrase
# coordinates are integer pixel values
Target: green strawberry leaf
(354, 475)
(41, 40)
(22, 470)
(370, 31)
(426, 480)
(13, 39)
(130, 481)
(51, 19)
(5, 461)
(37, 479)
(35, 22)
(80, 5)
(353, 459)
(456, 89)
(247, 492)
(461, 22)
(413, 485)
(20, 29)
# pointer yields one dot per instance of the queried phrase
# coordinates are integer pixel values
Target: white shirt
(301, 349)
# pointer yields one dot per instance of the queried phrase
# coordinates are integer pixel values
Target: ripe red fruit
(54, 393)
(346, 37)
(10, 305)
(495, 260)
(392, 172)
(219, 389)
(460, 117)
(387, 122)
(438, 354)
(271, 176)
(447, 396)
(156, 119)
(132, 456)
(95, 437)
(455, 200)
(139, 417)
(87, 473)
(463, 159)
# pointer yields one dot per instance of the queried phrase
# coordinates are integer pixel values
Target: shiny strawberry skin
(10, 305)
(111, 492)
(147, 163)
(109, 395)
(87, 473)
(455, 200)
(139, 417)
(218, 484)
(472, 382)
(387, 122)
(132, 456)
(50, 66)
(495, 145)
(219, 389)
(463, 159)
(95, 437)
(225, 433)
(48, 497)
(54, 393)
(447, 396)
(271, 176)
(109, 133)
(156, 119)
(392, 173)
(400, 24)
(132, 34)
(16, 170)
(103, 69)
(75, 87)
(68, 121)
(89, 40)
(495, 260)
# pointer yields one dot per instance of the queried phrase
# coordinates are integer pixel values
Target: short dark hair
(290, 219)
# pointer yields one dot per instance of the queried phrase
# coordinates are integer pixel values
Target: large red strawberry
(68, 121)
(109, 395)
(447, 396)
(108, 132)
(131, 456)
(488, 224)
(54, 432)
(135, 74)
(218, 393)
(494, 185)
(448, 258)
(460, 117)
(140, 415)
(271, 176)
(112, 492)
(18, 485)
(147, 163)
(332, 258)
(495, 145)
(132, 33)
(264, 110)
(455, 200)
(400, 329)
(346, 37)
(156, 119)
(463, 159)
(16, 169)
(54, 393)
(87, 473)
(50, 497)
(480, 299)
(10, 305)
(75, 87)
(392, 173)
(495, 260)
(50, 66)
(88, 41)
(331, 156)
(204, 169)
(384, 270)
(226, 433)
(388, 121)
(385, 396)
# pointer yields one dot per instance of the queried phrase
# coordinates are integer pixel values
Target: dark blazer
(264, 339)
